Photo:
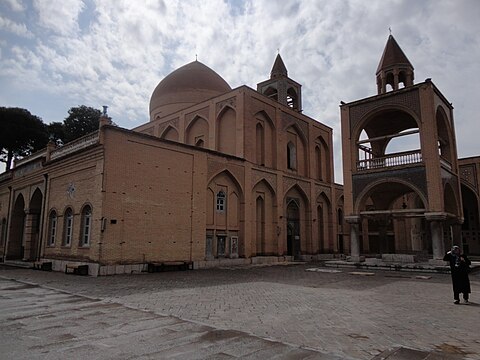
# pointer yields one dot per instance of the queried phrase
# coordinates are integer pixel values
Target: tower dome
(186, 86)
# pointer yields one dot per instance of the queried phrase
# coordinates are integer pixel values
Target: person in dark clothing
(459, 268)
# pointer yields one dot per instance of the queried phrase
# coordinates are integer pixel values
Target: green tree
(81, 120)
(56, 132)
(21, 134)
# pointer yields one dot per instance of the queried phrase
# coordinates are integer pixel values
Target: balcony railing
(397, 159)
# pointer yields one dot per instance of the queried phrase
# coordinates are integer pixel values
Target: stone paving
(341, 314)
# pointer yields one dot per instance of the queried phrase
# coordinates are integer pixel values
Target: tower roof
(279, 68)
(392, 55)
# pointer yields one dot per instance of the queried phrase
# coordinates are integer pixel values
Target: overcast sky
(55, 54)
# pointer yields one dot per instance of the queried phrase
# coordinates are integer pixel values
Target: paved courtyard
(240, 312)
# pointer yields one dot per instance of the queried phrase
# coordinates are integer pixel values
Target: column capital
(436, 216)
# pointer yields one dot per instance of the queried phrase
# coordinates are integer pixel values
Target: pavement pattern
(257, 312)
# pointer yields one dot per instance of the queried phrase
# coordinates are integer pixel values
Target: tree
(56, 132)
(21, 134)
(81, 120)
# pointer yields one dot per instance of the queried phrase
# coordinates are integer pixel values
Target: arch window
(260, 144)
(52, 228)
(291, 156)
(221, 198)
(86, 225)
(67, 227)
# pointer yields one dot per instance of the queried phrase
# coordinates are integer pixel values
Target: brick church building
(238, 176)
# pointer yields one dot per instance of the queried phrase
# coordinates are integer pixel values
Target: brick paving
(336, 314)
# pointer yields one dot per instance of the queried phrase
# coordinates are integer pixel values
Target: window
(86, 226)
(221, 201)
(52, 228)
(291, 156)
(67, 227)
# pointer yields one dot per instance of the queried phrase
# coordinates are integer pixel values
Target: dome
(186, 86)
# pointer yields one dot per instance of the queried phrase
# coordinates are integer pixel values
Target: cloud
(59, 16)
(15, 5)
(15, 28)
(115, 52)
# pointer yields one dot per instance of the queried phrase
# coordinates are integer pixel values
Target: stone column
(354, 222)
(436, 229)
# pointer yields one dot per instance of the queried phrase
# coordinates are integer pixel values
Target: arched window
(52, 227)
(67, 227)
(86, 226)
(291, 156)
(260, 145)
(221, 201)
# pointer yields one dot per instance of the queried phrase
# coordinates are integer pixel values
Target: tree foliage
(21, 134)
(81, 120)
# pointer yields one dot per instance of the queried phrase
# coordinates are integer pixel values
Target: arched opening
(226, 131)
(298, 218)
(318, 162)
(272, 93)
(197, 132)
(445, 148)
(393, 219)
(260, 145)
(323, 163)
(297, 158)
(264, 213)
(394, 129)
(16, 244)
(390, 82)
(32, 225)
(292, 98)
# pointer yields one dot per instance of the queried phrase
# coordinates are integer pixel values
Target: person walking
(459, 268)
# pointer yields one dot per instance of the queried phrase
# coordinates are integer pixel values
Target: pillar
(436, 229)
(354, 222)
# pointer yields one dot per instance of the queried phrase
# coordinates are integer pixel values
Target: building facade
(217, 175)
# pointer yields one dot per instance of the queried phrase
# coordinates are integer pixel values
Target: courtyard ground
(258, 312)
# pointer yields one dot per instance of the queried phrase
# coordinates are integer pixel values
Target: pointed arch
(197, 130)
(324, 220)
(323, 164)
(445, 136)
(292, 98)
(264, 215)
(170, 133)
(265, 144)
(226, 131)
(451, 202)
(296, 160)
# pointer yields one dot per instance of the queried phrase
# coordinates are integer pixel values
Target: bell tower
(400, 166)
(394, 68)
(281, 88)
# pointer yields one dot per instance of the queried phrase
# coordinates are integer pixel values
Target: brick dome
(186, 86)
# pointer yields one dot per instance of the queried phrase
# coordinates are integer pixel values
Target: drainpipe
(42, 223)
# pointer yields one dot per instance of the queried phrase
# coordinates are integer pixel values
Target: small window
(221, 201)
(291, 156)
(52, 228)
(86, 226)
(68, 227)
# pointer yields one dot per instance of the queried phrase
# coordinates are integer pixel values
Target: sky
(56, 54)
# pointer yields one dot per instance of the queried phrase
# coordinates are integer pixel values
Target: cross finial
(390, 29)
(278, 51)
(196, 59)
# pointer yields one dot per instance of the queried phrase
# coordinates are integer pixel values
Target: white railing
(78, 144)
(398, 159)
